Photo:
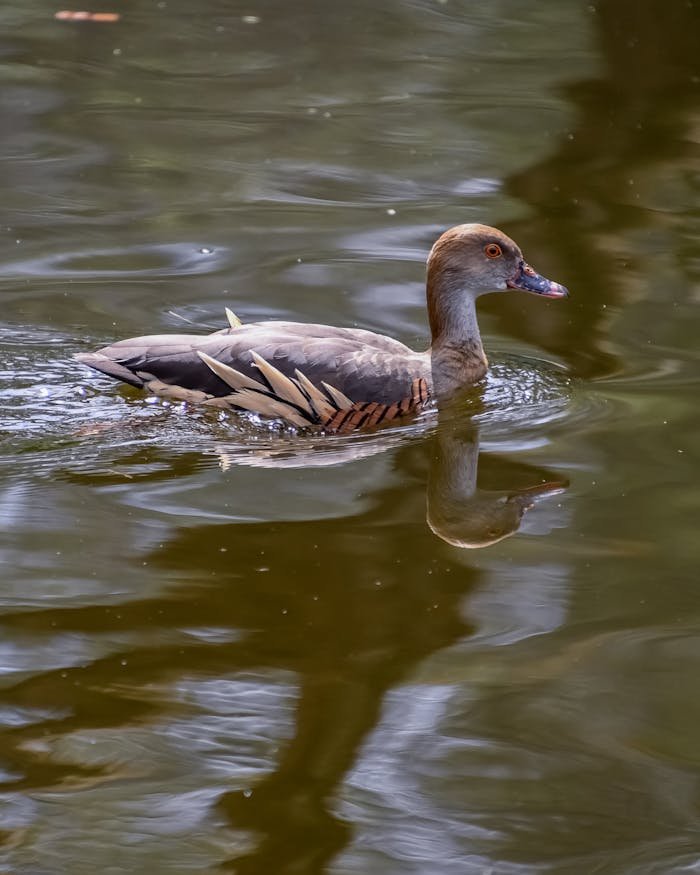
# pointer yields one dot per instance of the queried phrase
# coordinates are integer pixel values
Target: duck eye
(493, 250)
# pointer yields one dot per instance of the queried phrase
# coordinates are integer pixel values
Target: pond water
(454, 647)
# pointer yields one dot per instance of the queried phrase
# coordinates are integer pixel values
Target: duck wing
(361, 364)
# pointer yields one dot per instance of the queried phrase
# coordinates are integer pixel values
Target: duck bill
(528, 280)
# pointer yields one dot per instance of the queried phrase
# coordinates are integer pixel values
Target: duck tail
(302, 403)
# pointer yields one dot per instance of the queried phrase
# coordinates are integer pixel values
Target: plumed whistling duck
(332, 378)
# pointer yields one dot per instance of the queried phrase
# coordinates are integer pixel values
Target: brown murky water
(228, 645)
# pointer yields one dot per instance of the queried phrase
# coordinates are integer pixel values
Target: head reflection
(461, 513)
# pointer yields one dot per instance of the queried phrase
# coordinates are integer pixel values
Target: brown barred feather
(337, 421)
(374, 411)
(419, 391)
(354, 421)
(392, 411)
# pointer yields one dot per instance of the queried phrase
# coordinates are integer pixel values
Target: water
(462, 645)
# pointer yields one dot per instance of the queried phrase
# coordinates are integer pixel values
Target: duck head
(478, 259)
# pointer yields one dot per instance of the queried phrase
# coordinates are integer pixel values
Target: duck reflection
(464, 515)
(347, 608)
(459, 510)
(341, 696)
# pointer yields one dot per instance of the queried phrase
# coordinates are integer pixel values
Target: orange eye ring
(493, 250)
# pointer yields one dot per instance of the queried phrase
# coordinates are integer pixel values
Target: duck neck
(456, 352)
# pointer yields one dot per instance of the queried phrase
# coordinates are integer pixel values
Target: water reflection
(458, 511)
(461, 510)
(624, 203)
(462, 514)
(317, 610)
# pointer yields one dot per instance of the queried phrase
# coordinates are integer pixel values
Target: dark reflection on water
(229, 644)
(631, 145)
(346, 633)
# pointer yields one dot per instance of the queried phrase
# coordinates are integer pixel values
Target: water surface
(225, 644)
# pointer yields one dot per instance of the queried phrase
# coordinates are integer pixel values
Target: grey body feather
(361, 364)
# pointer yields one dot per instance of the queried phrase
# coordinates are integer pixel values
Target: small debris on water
(97, 17)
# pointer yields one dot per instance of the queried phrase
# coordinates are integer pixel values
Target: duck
(338, 379)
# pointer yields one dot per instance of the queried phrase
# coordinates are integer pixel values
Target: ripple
(668, 367)
(269, 446)
(305, 183)
(51, 405)
(527, 400)
(142, 260)
(63, 422)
